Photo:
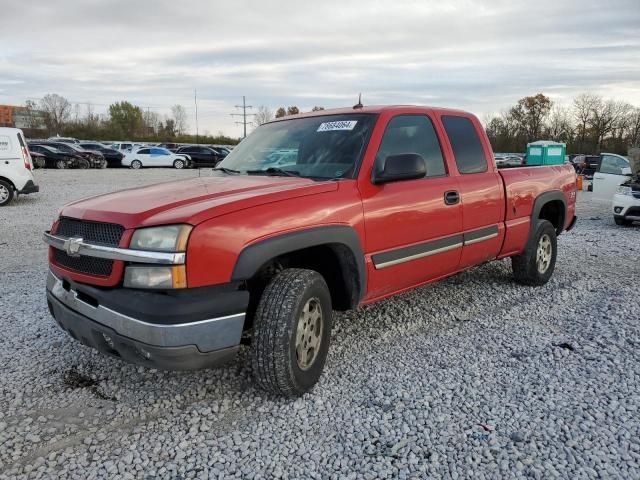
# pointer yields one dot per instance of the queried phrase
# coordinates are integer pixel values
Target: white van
(612, 171)
(16, 167)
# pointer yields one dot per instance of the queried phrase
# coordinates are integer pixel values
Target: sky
(480, 56)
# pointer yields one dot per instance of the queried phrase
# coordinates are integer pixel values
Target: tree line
(124, 121)
(590, 124)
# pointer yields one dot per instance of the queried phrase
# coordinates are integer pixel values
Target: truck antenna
(359, 104)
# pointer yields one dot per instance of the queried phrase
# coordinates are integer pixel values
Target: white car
(16, 166)
(155, 157)
(626, 204)
(612, 171)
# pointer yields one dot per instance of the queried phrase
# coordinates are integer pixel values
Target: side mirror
(404, 166)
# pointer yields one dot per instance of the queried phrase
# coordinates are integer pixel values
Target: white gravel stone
(408, 386)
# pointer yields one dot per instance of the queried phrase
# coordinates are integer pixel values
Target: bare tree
(180, 118)
(604, 117)
(582, 107)
(57, 111)
(559, 126)
(633, 135)
(263, 115)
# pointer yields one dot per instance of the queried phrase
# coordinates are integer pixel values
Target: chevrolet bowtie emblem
(72, 246)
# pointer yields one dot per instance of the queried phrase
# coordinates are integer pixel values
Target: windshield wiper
(274, 171)
(229, 171)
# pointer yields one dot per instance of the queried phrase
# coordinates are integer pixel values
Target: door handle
(451, 197)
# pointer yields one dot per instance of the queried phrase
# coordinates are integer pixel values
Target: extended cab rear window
(466, 145)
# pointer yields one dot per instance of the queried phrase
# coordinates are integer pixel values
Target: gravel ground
(474, 377)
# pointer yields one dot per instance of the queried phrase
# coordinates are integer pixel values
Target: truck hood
(191, 201)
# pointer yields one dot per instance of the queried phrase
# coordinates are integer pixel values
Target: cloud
(480, 56)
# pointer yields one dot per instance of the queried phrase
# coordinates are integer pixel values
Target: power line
(244, 122)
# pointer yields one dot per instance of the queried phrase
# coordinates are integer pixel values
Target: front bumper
(626, 207)
(29, 187)
(156, 337)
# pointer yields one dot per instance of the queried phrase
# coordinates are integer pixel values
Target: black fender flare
(254, 256)
(544, 198)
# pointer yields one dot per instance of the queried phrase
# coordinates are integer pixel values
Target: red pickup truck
(309, 214)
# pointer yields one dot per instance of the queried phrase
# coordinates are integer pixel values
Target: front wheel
(536, 264)
(6, 193)
(291, 332)
(179, 164)
(136, 164)
(61, 164)
(83, 164)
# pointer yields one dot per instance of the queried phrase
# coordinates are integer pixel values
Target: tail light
(26, 158)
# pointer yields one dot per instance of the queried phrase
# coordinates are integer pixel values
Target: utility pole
(195, 99)
(244, 122)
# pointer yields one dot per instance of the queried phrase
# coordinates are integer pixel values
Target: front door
(413, 229)
(609, 176)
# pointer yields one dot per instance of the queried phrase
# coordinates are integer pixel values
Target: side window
(143, 151)
(610, 164)
(466, 145)
(412, 134)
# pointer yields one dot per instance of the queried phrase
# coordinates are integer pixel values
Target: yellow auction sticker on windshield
(339, 125)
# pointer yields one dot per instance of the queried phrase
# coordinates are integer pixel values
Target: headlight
(170, 238)
(624, 190)
(155, 277)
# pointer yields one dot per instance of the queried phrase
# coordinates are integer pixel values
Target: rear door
(610, 174)
(412, 231)
(480, 189)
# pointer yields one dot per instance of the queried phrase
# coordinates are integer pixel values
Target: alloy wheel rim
(179, 164)
(309, 333)
(135, 164)
(544, 253)
(4, 194)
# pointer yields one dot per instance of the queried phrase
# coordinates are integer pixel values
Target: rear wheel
(6, 193)
(39, 163)
(291, 332)
(537, 263)
(136, 164)
(179, 164)
(103, 164)
(61, 164)
(83, 163)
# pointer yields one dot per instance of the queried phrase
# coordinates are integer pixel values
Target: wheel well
(553, 211)
(335, 262)
(8, 181)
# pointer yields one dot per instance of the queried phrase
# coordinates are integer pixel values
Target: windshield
(323, 147)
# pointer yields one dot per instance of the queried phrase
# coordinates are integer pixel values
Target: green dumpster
(545, 152)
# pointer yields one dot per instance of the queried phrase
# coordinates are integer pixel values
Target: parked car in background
(112, 156)
(586, 165)
(505, 160)
(169, 146)
(16, 167)
(37, 159)
(88, 159)
(53, 158)
(612, 171)
(122, 147)
(63, 139)
(201, 156)
(155, 157)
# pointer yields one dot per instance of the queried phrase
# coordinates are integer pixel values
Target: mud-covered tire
(536, 264)
(283, 304)
(6, 193)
